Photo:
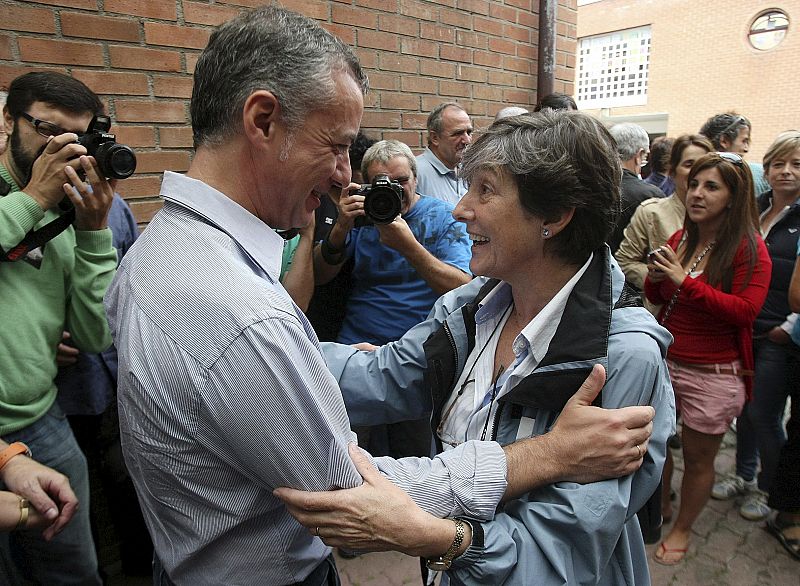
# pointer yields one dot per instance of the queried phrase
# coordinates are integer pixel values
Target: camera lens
(382, 205)
(116, 161)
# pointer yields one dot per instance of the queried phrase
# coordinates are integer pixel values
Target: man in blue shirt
(400, 269)
(449, 134)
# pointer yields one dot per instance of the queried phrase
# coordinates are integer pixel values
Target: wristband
(14, 449)
(24, 510)
(331, 255)
(442, 563)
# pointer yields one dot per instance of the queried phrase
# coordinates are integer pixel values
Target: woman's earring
(545, 233)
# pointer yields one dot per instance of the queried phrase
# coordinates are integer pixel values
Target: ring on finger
(316, 531)
(639, 450)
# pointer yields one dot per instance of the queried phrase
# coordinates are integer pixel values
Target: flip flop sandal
(789, 544)
(664, 550)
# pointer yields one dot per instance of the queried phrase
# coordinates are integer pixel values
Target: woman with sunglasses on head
(656, 219)
(711, 278)
(759, 431)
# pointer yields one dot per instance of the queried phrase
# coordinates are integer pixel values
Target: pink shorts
(706, 401)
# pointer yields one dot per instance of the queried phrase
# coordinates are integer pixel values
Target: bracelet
(24, 510)
(331, 255)
(14, 449)
(443, 563)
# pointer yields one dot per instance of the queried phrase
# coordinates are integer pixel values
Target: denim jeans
(69, 558)
(759, 429)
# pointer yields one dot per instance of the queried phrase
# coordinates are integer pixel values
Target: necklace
(674, 298)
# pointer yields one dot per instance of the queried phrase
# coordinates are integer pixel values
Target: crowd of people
(507, 324)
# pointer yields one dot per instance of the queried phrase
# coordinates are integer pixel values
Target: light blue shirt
(224, 395)
(436, 180)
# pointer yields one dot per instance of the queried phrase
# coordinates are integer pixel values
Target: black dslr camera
(383, 201)
(116, 161)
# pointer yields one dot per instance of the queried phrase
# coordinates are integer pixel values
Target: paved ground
(726, 550)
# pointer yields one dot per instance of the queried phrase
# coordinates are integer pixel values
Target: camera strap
(36, 238)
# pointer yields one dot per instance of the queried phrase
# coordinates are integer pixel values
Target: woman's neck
(781, 199)
(537, 288)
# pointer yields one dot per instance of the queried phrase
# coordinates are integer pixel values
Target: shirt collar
(436, 162)
(260, 242)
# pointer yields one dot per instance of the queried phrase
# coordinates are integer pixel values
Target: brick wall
(701, 63)
(139, 56)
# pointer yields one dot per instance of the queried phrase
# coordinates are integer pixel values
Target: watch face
(437, 565)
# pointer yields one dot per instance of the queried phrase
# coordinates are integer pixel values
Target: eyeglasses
(732, 158)
(42, 127)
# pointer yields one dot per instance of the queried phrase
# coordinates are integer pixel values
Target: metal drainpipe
(545, 79)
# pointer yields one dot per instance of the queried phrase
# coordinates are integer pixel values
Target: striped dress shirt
(224, 395)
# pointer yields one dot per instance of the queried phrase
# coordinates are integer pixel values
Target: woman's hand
(666, 261)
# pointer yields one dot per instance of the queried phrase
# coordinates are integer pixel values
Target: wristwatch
(442, 563)
(12, 450)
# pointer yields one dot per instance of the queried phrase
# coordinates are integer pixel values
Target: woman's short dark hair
(56, 89)
(680, 145)
(559, 160)
(556, 101)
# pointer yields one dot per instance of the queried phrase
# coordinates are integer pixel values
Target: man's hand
(92, 198)
(350, 206)
(778, 335)
(66, 354)
(376, 516)
(48, 172)
(48, 491)
(600, 443)
(397, 235)
(587, 443)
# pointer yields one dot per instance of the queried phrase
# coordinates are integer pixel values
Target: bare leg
(666, 488)
(699, 451)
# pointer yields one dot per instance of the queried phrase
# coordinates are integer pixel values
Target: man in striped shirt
(224, 394)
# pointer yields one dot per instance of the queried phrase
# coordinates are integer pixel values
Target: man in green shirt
(48, 288)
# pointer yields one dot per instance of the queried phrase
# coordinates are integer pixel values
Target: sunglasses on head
(732, 158)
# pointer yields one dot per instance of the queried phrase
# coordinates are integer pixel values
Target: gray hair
(385, 150)
(435, 117)
(631, 138)
(509, 111)
(559, 160)
(272, 49)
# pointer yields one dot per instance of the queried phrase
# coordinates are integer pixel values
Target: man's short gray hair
(630, 138)
(384, 151)
(435, 117)
(510, 111)
(272, 49)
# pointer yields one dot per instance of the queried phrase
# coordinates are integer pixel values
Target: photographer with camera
(57, 268)
(413, 252)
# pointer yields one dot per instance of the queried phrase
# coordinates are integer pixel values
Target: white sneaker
(732, 486)
(754, 507)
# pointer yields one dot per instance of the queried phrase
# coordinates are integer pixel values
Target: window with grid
(613, 68)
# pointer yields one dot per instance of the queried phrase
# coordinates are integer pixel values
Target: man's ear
(8, 121)
(260, 116)
(433, 138)
(725, 143)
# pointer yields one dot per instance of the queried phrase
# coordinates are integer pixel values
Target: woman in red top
(712, 278)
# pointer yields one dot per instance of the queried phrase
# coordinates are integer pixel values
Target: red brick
(160, 9)
(400, 25)
(391, 62)
(477, 6)
(488, 92)
(368, 58)
(502, 46)
(85, 4)
(382, 120)
(526, 51)
(384, 5)
(171, 35)
(354, 17)
(524, 4)
(6, 48)
(112, 82)
(144, 210)
(384, 81)
(478, 74)
(209, 14)
(135, 136)
(140, 186)
(372, 100)
(568, 15)
(501, 78)
(128, 57)
(503, 13)
(160, 161)
(471, 39)
(75, 24)
(487, 59)
(172, 86)
(516, 64)
(377, 40)
(518, 33)
(410, 138)
(191, 61)
(392, 101)
(415, 121)
(317, 9)
(9, 72)
(24, 18)
(150, 111)
(63, 52)
(529, 81)
(518, 96)
(485, 25)
(175, 136)
(437, 69)
(454, 88)
(453, 53)
(435, 32)
(417, 10)
(346, 33)
(455, 18)
(528, 19)
(419, 85)
(420, 48)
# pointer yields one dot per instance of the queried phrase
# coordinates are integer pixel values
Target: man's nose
(343, 172)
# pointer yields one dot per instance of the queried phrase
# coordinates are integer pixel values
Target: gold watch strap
(444, 562)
